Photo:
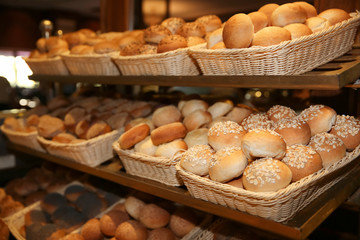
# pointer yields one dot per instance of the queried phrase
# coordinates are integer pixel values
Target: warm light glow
(23, 102)
(258, 94)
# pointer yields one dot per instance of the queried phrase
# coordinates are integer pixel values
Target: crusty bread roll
(334, 15)
(210, 22)
(228, 163)
(197, 159)
(214, 38)
(49, 126)
(82, 50)
(26, 186)
(298, 30)
(194, 40)
(98, 128)
(41, 45)
(138, 109)
(182, 221)
(197, 136)
(14, 124)
(57, 52)
(219, 45)
(266, 175)
(192, 29)
(192, 105)
(170, 149)
(134, 135)
(54, 42)
(118, 120)
(269, 36)
(74, 116)
(153, 216)
(165, 115)
(64, 138)
(171, 42)
(277, 112)
(146, 147)
(257, 120)
(268, 9)
(293, 131)
(236, 182)
(137, 121)
(133, 206)
(238, 31)
(167, 133)
(320, 118)
(238, 113)
(302, 161)
(347, 128)
(330, 147)
(288, 13)
(260, 143)
(131, 49)
(259, 19)
(105, 47)
(219, 109)
(309, 9)
(173, 23)
(197, 119)
(131, 230)
(148, 48)
(225, 134)
(155, 33)
(111, 220)
(317, 24)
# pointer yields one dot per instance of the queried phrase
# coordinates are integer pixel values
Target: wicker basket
(287, 58)
(24, 139)
(49, 66)
(172, 63)
(101, 65)
(278, 206)
(91, 152)
(155, 168)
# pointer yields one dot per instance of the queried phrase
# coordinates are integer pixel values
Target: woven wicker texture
(278, 206)
(54, 66)
(287, 58)
(173, 63)
(154, 168)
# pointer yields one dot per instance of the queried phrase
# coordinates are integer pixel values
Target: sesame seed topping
(198, 155)
(257, 120)
(226, 127)
(298, 155)
(325, 142)
(265, 170)
(311, 112)
(278, 112)
(289, 123)
(346, 125)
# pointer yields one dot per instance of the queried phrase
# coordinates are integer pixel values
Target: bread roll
(52, 201)
(219, 109)
(137, 121)
(317, 24)
(57, 52)
(330, 147)
(347, 128)
(197, 136)
(334, 15)
(259, 19)
(171, 42)
(268, 9)
(49, 126)
(146, 146)
(219, 45)
(309, 9)
(154, 216)
(73, 117)
(225, 134)
(238, 31)
(118, 120)
(288, 13)
(167, 133)
(111, 220)
(81, 128)
(298, 30)
(106, 47)
(238, 113)
(236, 182)
(320, 118)
(91, 230)
(161, 234)
(169, 149)
(261, 143)
(134, 135)
(155, 33)
(182, 221)
(192, 29)
(278, 112)
(210, 22)
(293, 131)
(64, 138)
(266, 175)
(131, 49)
(197, 119)
(165, 115)
(173, 23)
(131, 230)
(82, 50)
(269, 36)
(228, 163)
(256, 121)
(192, 105)
(302, 161)
(98, 128)
(26, 186)
(133, 206)
(197, 159)
(214, 38)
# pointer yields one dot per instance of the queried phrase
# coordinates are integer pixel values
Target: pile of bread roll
(272, 24)
(266, 151)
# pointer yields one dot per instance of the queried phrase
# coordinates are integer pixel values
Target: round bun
(197, 136)
(165, 115)
(111, 220)
(268, 9)
(298, 30)
(293, 131)
(269, 36)
(214, 37)
(193, 105)
(197, 119)
(257, 120)
(167, 133)
(330, 147)
(155, 33)
(225, 134)
(58, 51)
(317, 24)
(49, 126)
(161, 234)
(320, 118)
(192, 29)
(309, 9)
(137, 121)
(194, 40)
(146, 146)
(334, 15)
(347, 128)
(238, 113)
(133, 206)
(259, 19)
(266, 175)
(173, 23)
(302, 161)
(238, 31)
(98, 128)
(171, 42)
(197, 159)
(134, 135)
(169, 149)
(219, 109)
(105, 47)
(261, 143)
(182, 221)
(210, 22)
(131, 230)
(154, 216)
(219, 45)
(278, 112)
(288, 13)
(131, 49)
(228, 163)
(26, 186)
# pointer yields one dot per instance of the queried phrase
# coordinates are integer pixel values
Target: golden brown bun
(89, 33)
(330, 147)
(192, 29)
(238, 31)
(268, 9)
(319, 117)
(140, 109)
(173, 23)
(317, 24)
(193, 105)
(219, 109)
(97, 129)
(334, 15)
(131, 230)
(41, 45)
(137, 121)
(197, 119)
(11, 208)
(74, 116)
(134, 135)
(161, 234)
(259, 20)
(133, 206)
(170, 149)
(91, 230)
(118, 120)
(278, 112)
(146, 146)
(182, 221)
(153, 216)
(236, 182)
(298, 30)
(49, 127)
(228, 163)
(64, 138)
(106, 47)
(37, 54)
(257, 120)
(194, 40)
(214, 37)
(288, 13)
(309, 9)
(302, 161)
(197, 159)
(167, 133)
(293, 131)
(148, 49)
(131, 49)
(347, 128)
(82, 50)
(260, 143)
(225, 134)
(74, 38)
(211, 22)
(266, 175)
(81, 128)
(197, 136)
(111, 220)
(57, 51)
(155, 33)
(269, 36)
(55, 42)
(171, 42)
(14, 124)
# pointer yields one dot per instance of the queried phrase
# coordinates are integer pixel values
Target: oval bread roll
(320, 118)
(334, 15)
(317, 24)
(259, 20)
(134, 135)
(197, 159)
(165, 115)
(168, 133)
(269, 36)
(347, 128)
(238, 31)
(288, 13)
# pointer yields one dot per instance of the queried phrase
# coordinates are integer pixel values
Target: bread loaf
(238, 31)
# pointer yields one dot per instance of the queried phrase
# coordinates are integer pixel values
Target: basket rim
(38, 60)
(17, 133)
(87, 56)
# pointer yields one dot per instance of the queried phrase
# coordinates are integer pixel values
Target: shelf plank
(299, 227)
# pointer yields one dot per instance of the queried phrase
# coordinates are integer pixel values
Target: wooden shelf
(299, 227)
